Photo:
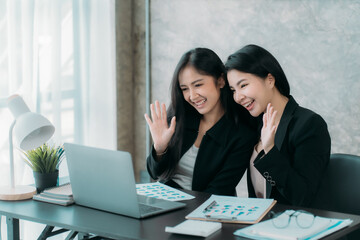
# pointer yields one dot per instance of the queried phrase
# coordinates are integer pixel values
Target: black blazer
(222, 158)
(295, 165)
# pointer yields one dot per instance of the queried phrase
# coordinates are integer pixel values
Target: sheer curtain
(59, 55)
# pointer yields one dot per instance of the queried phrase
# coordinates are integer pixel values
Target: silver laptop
(104, 179)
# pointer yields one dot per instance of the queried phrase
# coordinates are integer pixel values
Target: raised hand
(269, 129)
(160, 131)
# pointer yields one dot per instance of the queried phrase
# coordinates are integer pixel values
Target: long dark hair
(258, 61)
(206, 62)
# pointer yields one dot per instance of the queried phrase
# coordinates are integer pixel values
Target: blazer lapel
(284, 121)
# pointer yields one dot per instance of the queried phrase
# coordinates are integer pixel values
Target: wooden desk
(82, 219)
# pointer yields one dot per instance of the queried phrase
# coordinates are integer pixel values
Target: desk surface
(110, 225)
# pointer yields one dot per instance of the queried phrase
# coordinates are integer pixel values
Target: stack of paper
(320, 228)
(61, 195)
(195, 228)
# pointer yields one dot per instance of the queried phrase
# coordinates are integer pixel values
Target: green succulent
(44, 159)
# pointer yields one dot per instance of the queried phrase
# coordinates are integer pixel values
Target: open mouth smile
(199, 103)
(249, 105)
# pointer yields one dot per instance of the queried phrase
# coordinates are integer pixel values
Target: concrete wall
(316, 42)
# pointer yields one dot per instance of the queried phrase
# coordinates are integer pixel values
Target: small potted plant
(45, 161)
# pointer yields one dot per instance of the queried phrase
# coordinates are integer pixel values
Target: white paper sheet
(162, 191)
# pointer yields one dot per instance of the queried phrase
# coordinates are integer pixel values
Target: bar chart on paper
(162, 191)
(232, 209)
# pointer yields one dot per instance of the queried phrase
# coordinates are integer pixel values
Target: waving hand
(269, 129)
(160, 131)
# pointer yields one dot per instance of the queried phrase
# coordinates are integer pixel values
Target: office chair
(339, 187)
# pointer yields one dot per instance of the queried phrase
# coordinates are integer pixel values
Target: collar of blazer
(218, 132)
(286, 117)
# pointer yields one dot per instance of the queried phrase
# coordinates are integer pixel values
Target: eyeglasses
(303, 218)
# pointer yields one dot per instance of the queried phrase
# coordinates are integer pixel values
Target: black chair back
(340, 187)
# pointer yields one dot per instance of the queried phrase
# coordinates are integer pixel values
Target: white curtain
(59, 55)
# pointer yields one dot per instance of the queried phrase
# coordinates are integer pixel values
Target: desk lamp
(31, 130)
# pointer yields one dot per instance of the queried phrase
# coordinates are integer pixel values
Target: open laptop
(104, 179)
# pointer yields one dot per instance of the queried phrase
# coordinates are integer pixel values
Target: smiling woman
(293, 150)
(204, 147)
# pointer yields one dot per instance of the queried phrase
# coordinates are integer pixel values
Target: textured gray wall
(316, 42)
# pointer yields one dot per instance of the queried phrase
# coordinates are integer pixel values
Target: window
(60, 57)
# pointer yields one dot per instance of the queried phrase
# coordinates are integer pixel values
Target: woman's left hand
(269, 129)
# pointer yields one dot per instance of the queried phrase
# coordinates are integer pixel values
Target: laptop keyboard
(147, 209)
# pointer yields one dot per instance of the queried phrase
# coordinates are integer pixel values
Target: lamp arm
(11, 153)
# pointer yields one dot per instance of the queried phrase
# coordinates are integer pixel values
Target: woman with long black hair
(200, 143)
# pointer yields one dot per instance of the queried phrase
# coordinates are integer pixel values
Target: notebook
(104, 179)
(61, 195)
(320, 228)
(230, 209)
(63, 191)
(195, 228)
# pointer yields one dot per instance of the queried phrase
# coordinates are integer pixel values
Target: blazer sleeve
(235, 162)
(297, 175)
(156, 168)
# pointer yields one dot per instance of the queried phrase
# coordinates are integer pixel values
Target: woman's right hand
(160, 131)
(268, 130)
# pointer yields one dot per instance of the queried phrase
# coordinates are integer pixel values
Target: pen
(209, 206)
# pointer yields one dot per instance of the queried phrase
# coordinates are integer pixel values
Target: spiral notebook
(232, 209)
